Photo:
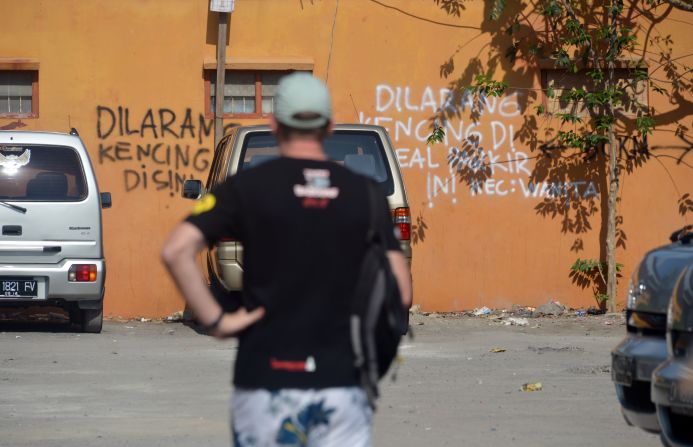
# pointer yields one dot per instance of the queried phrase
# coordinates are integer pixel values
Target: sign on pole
(221, 5)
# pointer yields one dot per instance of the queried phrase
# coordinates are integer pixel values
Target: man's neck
(308, 149)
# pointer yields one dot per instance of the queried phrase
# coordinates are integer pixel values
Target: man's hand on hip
(234, 322)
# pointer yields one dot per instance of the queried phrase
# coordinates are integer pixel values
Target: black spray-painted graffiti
(155, 151)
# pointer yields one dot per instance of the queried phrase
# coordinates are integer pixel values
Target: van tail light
(82, 273)
(227, 239)
(402, 220)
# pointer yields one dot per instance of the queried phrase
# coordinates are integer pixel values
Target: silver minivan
(365, 149)
(51, 250)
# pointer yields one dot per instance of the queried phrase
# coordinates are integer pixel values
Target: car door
(217, 174)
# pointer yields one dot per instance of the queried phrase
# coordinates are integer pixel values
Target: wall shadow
(419, 227)
(579, 206)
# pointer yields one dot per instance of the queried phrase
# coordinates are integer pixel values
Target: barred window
(247, 94)
(18, 93)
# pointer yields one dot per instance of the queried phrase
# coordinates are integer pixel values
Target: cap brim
(314, 123)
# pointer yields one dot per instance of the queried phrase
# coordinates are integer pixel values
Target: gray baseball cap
(302, 94)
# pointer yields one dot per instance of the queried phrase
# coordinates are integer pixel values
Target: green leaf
(571, 139)
(550, 92)
(591, 100)
(497, 9)
(604, 122)
(601, 298)
(644, 124)
(575, 94)
(573, 26)
(569, 118)
(540, 109)
(639, 75)
(562, 58)
(552, 8)
(437, 136)
(596, 75)
(594, 140)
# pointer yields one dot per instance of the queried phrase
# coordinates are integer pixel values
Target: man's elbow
(170, 253)
(181, 244)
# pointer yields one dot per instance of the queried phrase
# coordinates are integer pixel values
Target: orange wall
(490, 249)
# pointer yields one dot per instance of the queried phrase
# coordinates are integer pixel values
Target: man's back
(303, 224)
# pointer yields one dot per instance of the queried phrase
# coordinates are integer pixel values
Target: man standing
(303, 222)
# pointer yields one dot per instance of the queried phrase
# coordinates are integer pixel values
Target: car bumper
(52, 282)
(632, 364)
(672, 393)
(231, 275)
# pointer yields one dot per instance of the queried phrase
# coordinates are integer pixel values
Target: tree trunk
(611, 286)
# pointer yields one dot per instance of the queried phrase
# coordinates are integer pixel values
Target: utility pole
(223, 8)
(221, 78)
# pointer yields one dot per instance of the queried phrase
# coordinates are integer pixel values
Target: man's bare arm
(400, 268)
(178, 255)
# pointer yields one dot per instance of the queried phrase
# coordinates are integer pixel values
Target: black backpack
(378, 319)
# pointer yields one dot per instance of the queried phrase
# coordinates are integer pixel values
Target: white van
(51, 249)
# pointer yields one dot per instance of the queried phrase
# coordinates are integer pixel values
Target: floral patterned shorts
(328, 417)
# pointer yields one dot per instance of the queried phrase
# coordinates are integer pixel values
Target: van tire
(89, 320)
(665, 443)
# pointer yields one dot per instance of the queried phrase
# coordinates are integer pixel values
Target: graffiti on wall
(157, 150)
(406, 113)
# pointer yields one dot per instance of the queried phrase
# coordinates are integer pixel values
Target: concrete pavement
(161, 384)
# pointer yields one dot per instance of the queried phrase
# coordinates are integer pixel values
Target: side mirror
(192, 189)
(679, 234)
(106, 201)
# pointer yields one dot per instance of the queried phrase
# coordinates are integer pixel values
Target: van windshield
(41, 173)
(360, 151)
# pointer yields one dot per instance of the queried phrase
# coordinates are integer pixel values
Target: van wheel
(665, 443)
(89, 320)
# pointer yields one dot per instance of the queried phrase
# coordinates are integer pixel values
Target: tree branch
(686, 5)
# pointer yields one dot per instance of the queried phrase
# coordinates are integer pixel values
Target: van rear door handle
(11, 230)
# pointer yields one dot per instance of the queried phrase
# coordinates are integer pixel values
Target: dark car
(672, 381)
(644, 348)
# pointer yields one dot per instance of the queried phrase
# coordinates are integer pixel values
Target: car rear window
(41, 173)
(360, 151)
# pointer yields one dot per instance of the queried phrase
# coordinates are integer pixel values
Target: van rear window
(360, 151)
(41, 173)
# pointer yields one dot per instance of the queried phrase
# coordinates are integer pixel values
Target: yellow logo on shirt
(205, 204)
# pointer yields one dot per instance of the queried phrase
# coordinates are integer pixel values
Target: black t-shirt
(303, 226)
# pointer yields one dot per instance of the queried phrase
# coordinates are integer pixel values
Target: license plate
(622, 370)
(18, 288)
